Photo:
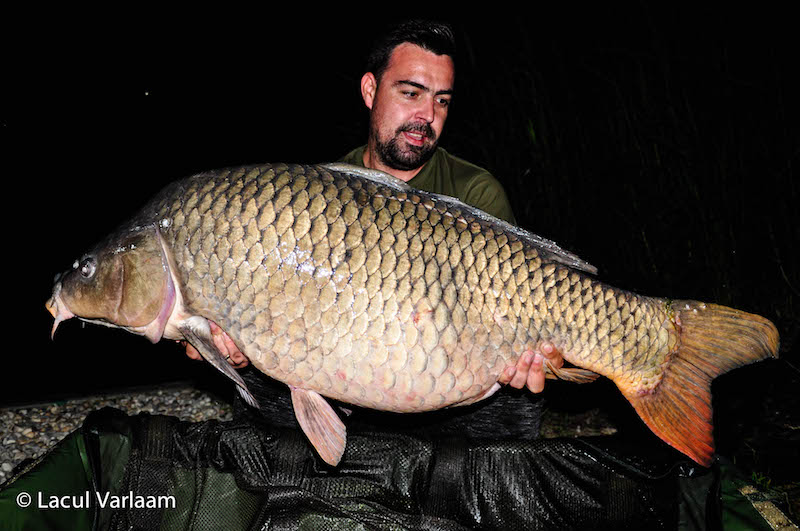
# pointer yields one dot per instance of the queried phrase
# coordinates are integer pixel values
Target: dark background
(661, 145)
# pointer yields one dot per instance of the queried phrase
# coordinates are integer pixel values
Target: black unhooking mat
(257, 472)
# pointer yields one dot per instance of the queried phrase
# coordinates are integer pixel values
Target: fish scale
(348, 284)
(420, 279)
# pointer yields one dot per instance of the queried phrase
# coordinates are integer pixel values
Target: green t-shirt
(449, 175)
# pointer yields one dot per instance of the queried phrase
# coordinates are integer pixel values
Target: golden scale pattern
(389, 300)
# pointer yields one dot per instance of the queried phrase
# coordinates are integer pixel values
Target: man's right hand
(226, 345)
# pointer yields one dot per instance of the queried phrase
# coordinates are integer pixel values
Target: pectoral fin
(321, 424)
(197, 331)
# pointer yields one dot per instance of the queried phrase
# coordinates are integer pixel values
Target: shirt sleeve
(485, 192)
(354, 157)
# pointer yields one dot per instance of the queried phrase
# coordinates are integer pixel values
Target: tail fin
(713, 340)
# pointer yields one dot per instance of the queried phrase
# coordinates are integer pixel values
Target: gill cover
(123, 282)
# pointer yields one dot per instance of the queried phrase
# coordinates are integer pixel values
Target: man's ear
(369, 86)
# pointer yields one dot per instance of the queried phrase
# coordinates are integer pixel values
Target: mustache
(423, 128)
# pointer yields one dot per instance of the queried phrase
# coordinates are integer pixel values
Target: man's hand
(225, 344)
(529, 370)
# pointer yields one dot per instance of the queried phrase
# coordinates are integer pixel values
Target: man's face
(409, 106)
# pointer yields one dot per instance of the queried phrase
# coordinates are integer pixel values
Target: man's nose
(426, 110)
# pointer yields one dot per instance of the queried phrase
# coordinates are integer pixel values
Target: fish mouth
(57, 309)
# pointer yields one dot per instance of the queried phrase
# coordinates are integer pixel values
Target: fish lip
(57, 309)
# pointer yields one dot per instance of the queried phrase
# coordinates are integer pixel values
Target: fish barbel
(346, 283)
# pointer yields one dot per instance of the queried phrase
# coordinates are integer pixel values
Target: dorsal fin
(552, 249)
(373, 175)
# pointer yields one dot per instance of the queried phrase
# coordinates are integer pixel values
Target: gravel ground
(29, 431)
(26, 432)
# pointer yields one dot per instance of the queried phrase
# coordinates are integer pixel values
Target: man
(408, 88)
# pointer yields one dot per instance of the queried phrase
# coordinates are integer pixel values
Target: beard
(399, 155)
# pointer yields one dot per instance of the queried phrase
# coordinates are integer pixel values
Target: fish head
(124, 282)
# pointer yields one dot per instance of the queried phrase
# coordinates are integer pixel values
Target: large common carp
(346, 283)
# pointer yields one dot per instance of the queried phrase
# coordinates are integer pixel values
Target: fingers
(516, 375)
(535, 380)
(236, 358)
(225, 345)
(507, 375)
(551, 354)
(191, 351)
(536, 376)
(524, 365)
(529, 370)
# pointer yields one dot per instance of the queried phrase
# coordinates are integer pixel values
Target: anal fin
(320, 423)
(570, 374)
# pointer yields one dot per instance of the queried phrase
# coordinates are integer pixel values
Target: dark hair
(435, 37)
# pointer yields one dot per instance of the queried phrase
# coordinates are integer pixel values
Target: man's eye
(410, 94)
(444, 102)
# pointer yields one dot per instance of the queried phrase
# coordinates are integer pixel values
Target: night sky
(661, 146)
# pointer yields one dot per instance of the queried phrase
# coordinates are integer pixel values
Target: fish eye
(87, 267)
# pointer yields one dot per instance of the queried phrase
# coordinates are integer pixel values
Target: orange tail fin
(713, 340)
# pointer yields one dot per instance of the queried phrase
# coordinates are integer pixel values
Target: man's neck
(372, 161)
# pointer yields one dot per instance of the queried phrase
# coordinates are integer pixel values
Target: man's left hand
(529, 370)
